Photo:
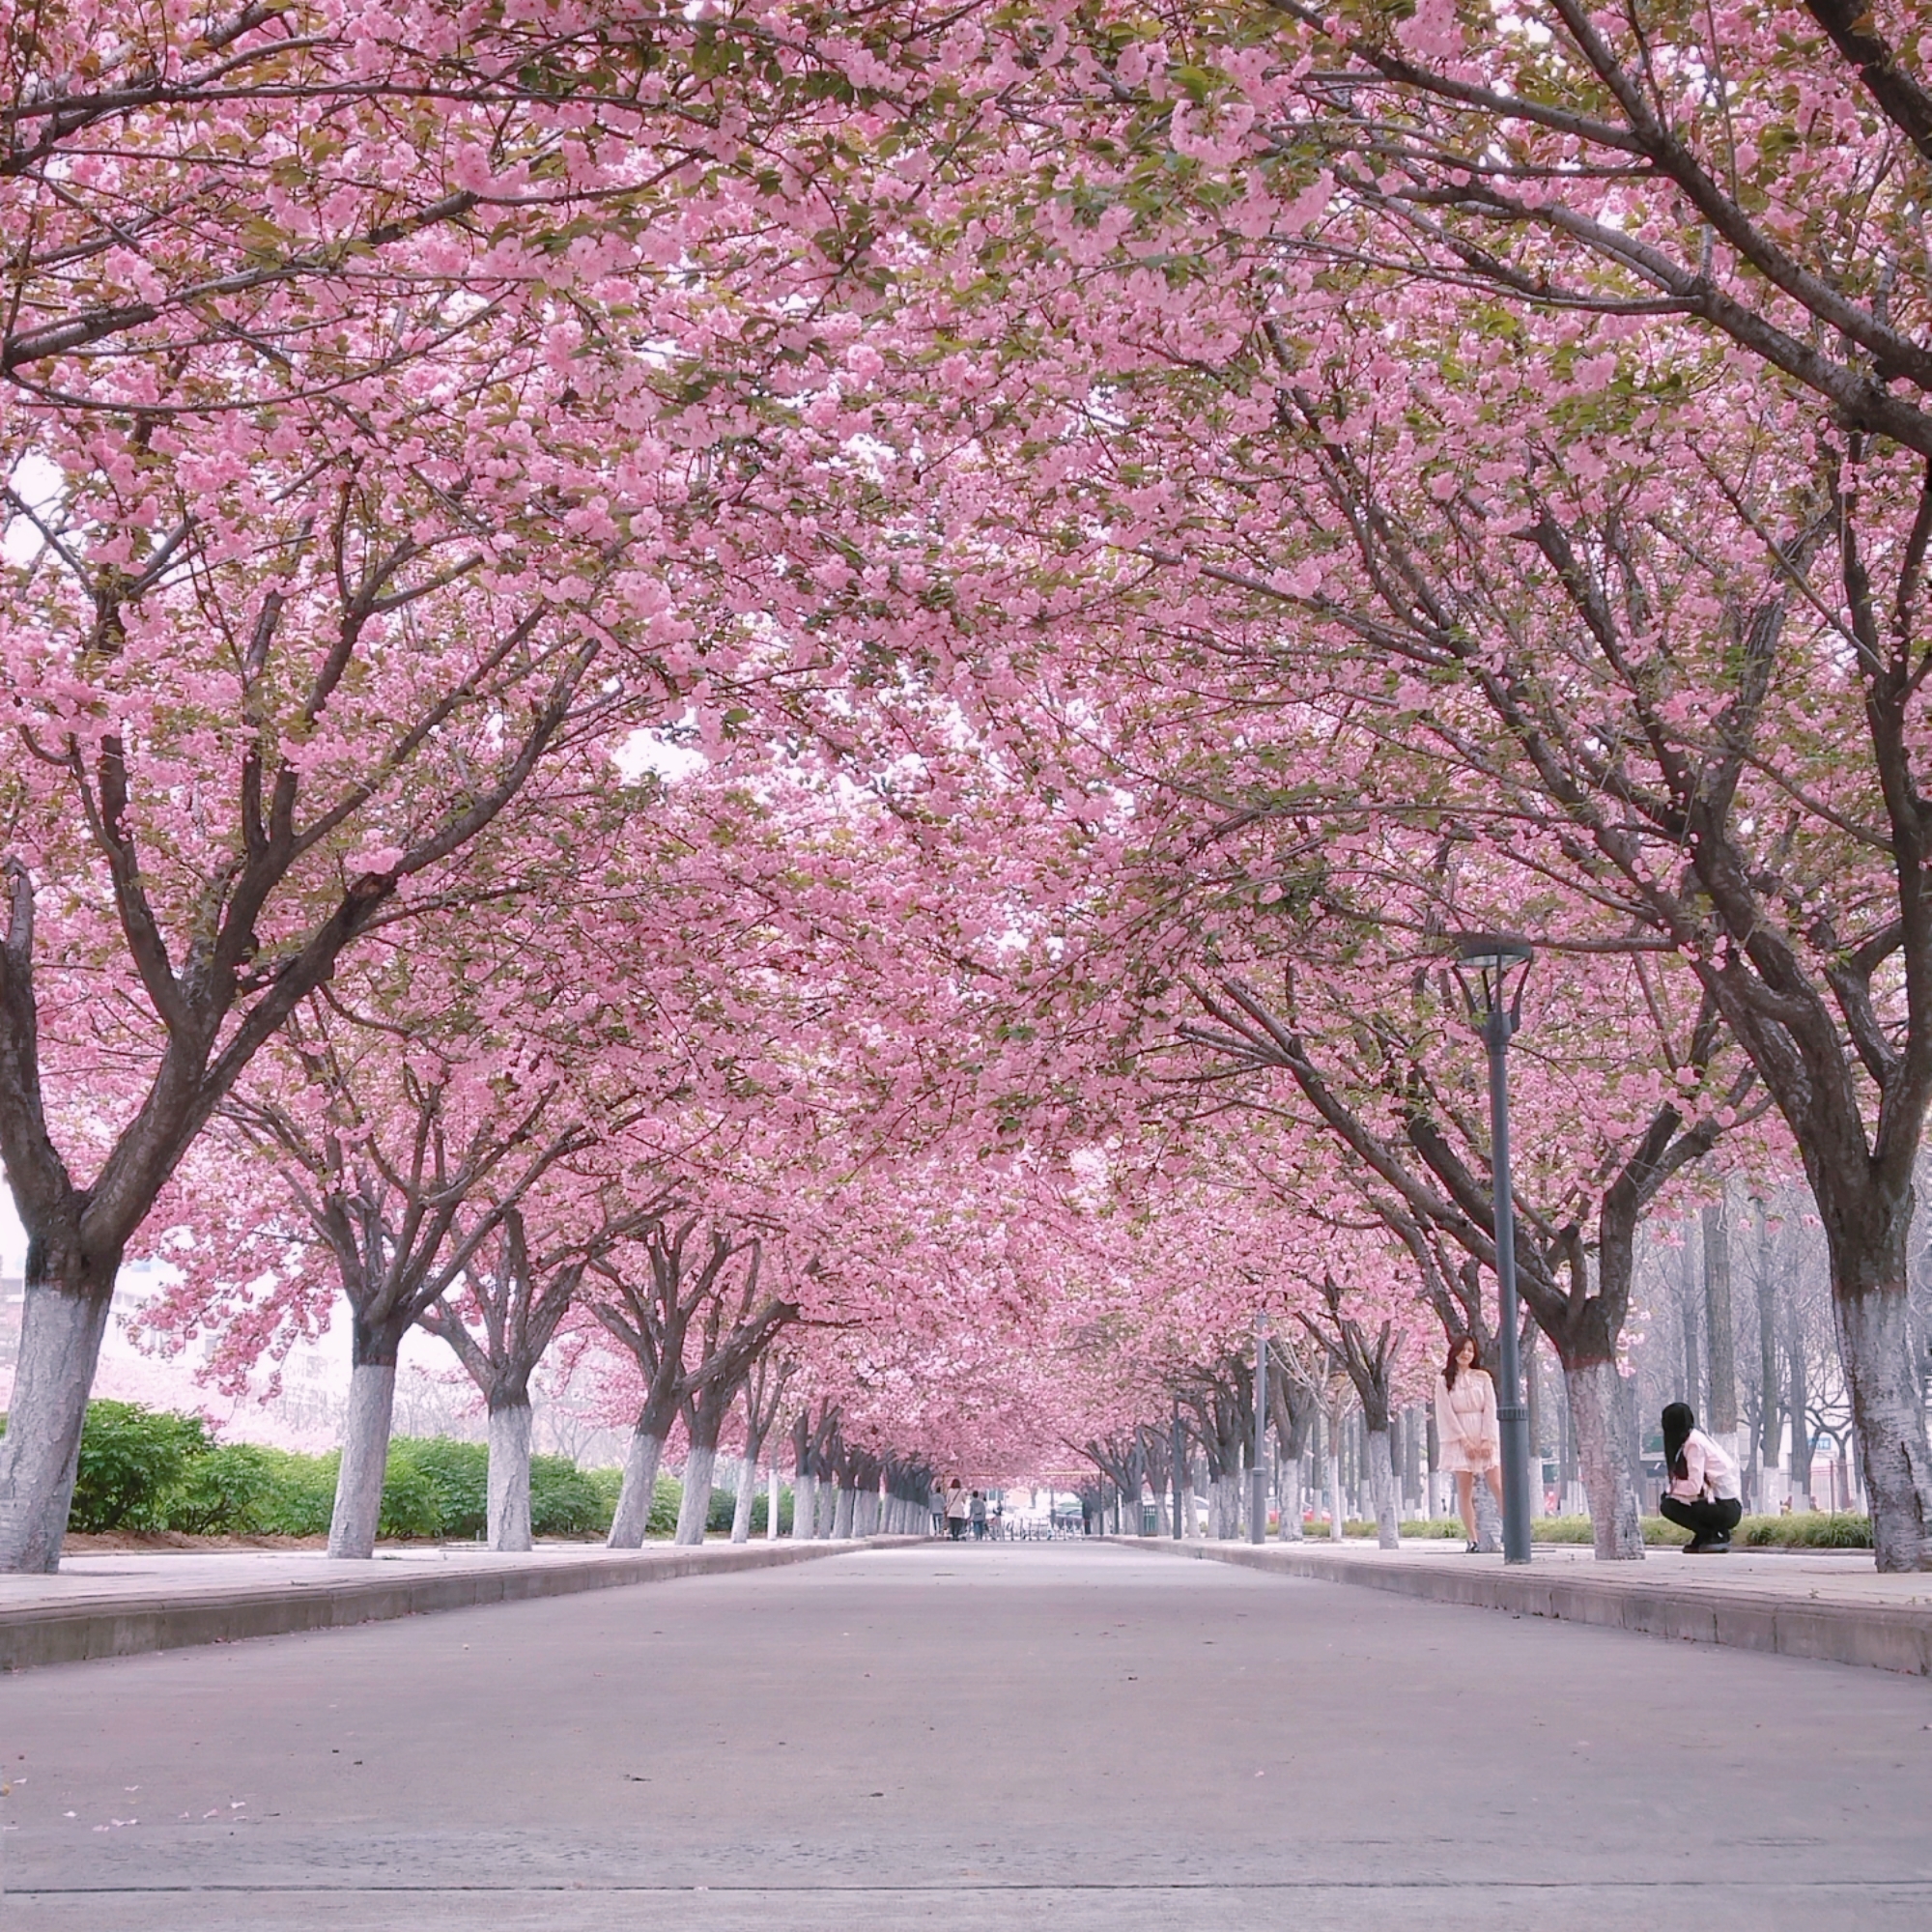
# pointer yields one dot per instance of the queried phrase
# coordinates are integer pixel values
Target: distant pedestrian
(1701, 1484)
(1468, 1430)
(977, 1512)
(959, 1508)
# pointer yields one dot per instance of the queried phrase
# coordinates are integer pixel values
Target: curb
(82, 1631)
(1875, 1636)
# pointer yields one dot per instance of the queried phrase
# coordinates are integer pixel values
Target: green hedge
(153, 1469)
(1805, 1530)
(149, 1469)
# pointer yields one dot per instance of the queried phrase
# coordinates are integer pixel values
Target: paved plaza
(976, 1739)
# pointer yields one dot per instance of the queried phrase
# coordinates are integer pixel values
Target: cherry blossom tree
(1644, 448)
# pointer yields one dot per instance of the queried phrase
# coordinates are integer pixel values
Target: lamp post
(1491, 968)
(1257, 1481)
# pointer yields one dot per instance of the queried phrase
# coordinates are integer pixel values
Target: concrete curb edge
(43, 1634)
(1875, 1636)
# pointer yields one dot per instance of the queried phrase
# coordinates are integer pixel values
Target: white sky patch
(658, 752)
(35, 481)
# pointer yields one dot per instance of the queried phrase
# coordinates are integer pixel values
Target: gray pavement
(971, 1740)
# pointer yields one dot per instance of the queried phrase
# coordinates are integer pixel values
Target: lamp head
(1491, 968)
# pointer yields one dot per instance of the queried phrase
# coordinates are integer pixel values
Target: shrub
(1807, 1530)
(411, 1501)
(457, 1475)
(566, 1500)
(609, 1485)
(301, 1497)
(1810, 1530)
(224, 1491)
(723, 1507)
(665, 1501)
(143, 1469)
(760, 1513)
(131, 1458)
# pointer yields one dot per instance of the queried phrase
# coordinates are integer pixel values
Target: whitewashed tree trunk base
(1875, 1345)
(1599, 1416)
(510, 1477)
(1291, 1502)
(633, 1515)
(59, 1347)
(365, 1461)
(772, 1506)
(1334, 1498)
(695, 1507)
(1381, 1482)
(805, 1508)
(747, 1499)
(1489, 1517)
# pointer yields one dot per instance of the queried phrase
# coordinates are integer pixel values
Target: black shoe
(1697, 1546)
(1718, 1546)
(1475, 1550)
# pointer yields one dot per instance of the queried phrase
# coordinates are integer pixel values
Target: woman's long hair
(1456, 1349)
(1678, 1423)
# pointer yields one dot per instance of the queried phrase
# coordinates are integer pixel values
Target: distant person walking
(959, 1508)
(1466, 1429)
(978, 1514)
(1701, 1484)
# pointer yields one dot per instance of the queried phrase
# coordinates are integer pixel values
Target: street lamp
(1492, 969)
(1257, 1481)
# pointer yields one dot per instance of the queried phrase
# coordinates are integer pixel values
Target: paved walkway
(981, 1739)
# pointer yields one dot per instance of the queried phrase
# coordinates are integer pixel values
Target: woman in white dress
(1467, 1431)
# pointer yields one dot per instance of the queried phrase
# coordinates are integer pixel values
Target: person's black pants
(1707, 1522)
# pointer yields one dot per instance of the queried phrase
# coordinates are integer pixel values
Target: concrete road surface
(967, 1739)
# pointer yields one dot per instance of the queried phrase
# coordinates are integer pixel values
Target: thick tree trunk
(365, 1460)
(633, 1516)
(1382, 1480)
(1289, 1518)
(1227, 1507)
(1532, 1385)
(1800, 1407)
(803, 1508)
(695, 1504)
(748, 1497)
(1766, 1367)
(841, 1515)
(510, 1475)
(61, 1329)
(1600, 1417)
(1489, 1519)
(1688, 1309)
(1875, 1343)
(1721, 1343)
